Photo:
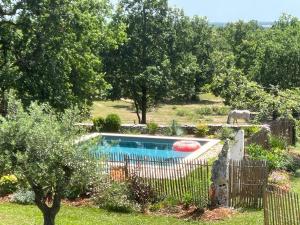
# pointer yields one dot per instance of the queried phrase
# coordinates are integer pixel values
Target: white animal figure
(238, 114)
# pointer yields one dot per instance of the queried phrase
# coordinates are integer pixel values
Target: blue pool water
(146, 147)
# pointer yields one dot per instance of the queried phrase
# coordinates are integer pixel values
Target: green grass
(210, 109)
(12, 214)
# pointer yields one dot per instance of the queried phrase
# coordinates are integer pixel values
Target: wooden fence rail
(175, 177)
(281, 207)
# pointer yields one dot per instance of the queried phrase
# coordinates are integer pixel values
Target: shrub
(171, 204)
(174, 129)
(113, 196)
(98, 124)
(142, 193)
(152, 127)
(8, 184)
(183, 112)
(226, 133)
(276, 158)
(204, 111)
(187, 200)
(201, 130)
(220, 110)
(249, 131)
(112, 123)
(278, 142)
(80, 186)
(23, 197)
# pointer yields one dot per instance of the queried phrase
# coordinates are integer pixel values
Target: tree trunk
(137, 110)
(49, 218)
(144, 106)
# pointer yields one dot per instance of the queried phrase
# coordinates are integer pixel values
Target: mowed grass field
(165, 113)
(12, 214)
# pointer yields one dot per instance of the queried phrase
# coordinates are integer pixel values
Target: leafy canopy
(40, 145)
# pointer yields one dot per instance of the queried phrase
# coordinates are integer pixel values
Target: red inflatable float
(186, 146)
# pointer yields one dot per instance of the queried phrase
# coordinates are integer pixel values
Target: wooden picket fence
(175, 177)
(281, 207)
(247, 180)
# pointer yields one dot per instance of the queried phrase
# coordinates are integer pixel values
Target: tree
(40, 145)
(278, 59)
(243, 40)
(139, 68)
(54, 48)
(190, 49)
(233, 85)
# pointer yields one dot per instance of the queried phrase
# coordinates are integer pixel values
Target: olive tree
(41, 146)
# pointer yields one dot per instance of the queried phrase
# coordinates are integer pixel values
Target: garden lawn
(165, 113)
(12, 214)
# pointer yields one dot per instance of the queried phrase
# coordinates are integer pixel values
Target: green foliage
(8, 184)
(214, 110)
(23, 197)
(152, 128)
(183, 112)
(187, 200)
(112, 123)
(276, 158)
(226, 133)
(201, 130)
(204, 111)
(278, 142)
(221, 110)
(50, 51)
(142, 193)
(174, 58)
(80, 185)
(174, 129)
(113, 196)
(40, 144)
(237, 91)
(249, 131)
(98, 124)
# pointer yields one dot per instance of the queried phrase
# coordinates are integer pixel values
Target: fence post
(126, 159)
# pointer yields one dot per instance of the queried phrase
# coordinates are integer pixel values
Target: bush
(187, 200)
(226, 133)
(112, 123)
(152, 127)
(142, 193)
(204, 111)
(80, 186)
(201, 130)
(23, 197)
(220, 110)
(8, 184)
(249, 131)
(98, 124)
(114, 196)
(174, 129)
(183, 112)
(276, 158)
(278, 142)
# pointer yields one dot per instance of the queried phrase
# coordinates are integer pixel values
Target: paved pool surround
(209, 143)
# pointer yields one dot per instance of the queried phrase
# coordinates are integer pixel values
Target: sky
(233, 10)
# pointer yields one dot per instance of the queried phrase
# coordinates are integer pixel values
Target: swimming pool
(148, 146)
